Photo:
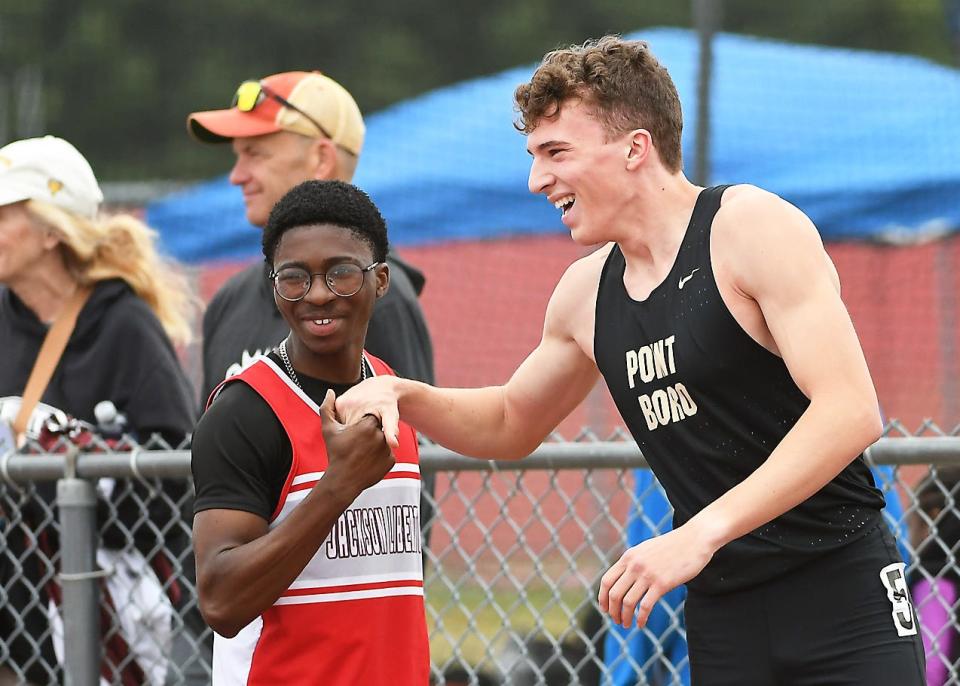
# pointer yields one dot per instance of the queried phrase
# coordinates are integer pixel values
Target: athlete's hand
(647, 571)
(357, 454)
(376, 397)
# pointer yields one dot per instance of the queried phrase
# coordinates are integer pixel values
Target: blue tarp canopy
(867, 144)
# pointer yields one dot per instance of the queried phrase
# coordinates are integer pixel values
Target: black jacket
(242, 322)
(118, 351)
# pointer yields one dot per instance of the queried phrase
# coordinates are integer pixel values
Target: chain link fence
(97, 577)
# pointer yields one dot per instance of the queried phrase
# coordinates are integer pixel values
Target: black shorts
(842, 619)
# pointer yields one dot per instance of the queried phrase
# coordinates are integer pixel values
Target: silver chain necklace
(293, 375)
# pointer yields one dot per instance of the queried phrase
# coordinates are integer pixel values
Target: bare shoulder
(751, 215)
(571, 310)
(577, 288)
(758, 238)
(589, 266)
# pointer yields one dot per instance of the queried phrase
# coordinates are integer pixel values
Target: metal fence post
(707, 18)
(77, 501)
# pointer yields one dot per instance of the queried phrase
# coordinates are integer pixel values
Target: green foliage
(120, 76)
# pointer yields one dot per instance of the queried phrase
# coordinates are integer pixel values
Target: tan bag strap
(48, 358)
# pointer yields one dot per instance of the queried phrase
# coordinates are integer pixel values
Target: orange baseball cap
(308, 103)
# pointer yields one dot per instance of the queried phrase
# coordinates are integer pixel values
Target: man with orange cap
(285, 129)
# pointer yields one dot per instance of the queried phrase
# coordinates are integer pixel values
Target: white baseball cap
(51, 170)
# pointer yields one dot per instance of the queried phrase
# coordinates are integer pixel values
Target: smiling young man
(715, 319)
(307, 531)
(285, 129)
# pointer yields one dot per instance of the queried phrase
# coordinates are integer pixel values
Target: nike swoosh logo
(684, 279)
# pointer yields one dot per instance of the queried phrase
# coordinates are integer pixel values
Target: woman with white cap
(98, 281)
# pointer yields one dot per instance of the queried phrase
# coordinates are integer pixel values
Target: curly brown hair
(620, 80)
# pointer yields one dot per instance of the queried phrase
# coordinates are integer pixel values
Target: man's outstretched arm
(497, 422)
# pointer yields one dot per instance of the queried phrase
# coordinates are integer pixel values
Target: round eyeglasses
(293, 283)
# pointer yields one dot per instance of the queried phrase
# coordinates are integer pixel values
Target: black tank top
(707, 405)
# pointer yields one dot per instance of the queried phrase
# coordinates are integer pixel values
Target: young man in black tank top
(715, 318)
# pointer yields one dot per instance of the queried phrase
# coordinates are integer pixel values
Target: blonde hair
(123, 247)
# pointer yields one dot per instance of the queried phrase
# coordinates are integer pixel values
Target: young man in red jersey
(307, 531)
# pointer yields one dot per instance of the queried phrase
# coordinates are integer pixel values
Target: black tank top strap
(706, 208)
(708, 202)
(613, 268)
(694, 251)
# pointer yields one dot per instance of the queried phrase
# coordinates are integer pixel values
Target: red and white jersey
(355, 615)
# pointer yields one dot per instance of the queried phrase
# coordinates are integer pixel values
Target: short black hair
(312, 203)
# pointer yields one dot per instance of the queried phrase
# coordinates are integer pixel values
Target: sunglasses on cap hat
(251, 93)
